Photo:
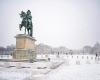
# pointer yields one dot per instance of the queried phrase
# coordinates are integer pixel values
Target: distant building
(43, 49)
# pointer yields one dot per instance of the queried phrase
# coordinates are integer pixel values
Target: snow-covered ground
(75, 72)
(61, 67)
(25, 70)
(14, 74)
(63, 72)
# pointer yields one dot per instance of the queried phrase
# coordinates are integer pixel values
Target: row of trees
(92, 50)
(6, 50)
(46, 49)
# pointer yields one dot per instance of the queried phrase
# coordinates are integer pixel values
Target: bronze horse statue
(26, 22)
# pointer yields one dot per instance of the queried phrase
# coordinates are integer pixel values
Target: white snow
(64, 67)
(75, 72)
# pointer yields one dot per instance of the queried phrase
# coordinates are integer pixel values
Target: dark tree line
(6, 50)
(92, 50)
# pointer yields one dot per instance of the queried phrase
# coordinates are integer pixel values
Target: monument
(25, 43)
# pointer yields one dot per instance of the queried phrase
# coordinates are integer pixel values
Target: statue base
(25, 42)
(25, 48)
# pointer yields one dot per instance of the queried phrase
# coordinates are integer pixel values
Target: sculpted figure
(26, 22)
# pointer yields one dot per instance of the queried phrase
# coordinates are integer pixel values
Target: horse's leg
(31, 32)
(25, 30)
(20, 26)
(28, 31)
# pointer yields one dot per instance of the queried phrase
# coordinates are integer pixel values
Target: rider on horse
(26, 22)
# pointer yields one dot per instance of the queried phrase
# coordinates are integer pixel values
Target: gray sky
(70, 23)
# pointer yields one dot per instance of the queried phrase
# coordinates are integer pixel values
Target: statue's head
(28, 12)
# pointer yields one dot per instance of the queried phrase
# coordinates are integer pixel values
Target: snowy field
(69, 67)
(63, 72)
(75, 72)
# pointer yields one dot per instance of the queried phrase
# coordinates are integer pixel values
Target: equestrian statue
(26, 22)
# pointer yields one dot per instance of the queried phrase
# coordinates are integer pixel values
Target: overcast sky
(70, 23)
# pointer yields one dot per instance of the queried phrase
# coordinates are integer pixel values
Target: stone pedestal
(25, 42)
(25, 47)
